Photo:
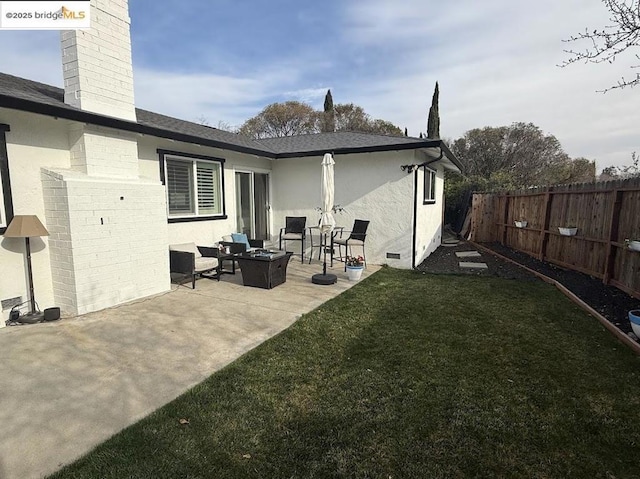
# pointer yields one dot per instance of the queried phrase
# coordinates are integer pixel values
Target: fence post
(613, 236)
(544, 235)
(505, 218)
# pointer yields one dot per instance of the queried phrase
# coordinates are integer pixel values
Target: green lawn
(405, 375)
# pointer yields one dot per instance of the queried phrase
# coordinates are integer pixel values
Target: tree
(622, 172)
(328, 117)
(350, 117)
(295, 118)
(607, 43)
(282, 119)
(433, 122)
(521, 154)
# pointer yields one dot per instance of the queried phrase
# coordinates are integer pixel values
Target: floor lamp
(27, 226)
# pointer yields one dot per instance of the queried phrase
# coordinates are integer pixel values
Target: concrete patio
(69, 385)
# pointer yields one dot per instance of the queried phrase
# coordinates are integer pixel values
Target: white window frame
(429, 186)
(218, 191)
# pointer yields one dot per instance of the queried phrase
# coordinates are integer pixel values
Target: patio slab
(69, 385)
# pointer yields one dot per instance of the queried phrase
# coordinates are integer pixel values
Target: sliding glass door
(252, 204)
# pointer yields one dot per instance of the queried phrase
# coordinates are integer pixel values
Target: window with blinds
(194, 187)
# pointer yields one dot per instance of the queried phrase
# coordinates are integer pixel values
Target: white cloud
(496, 63)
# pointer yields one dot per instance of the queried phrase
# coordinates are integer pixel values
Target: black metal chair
(295, 230)
(357, 237)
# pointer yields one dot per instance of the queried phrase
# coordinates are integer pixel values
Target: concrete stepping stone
(468, 265)
(468, 254)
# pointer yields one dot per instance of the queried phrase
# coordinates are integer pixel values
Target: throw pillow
(241, 238)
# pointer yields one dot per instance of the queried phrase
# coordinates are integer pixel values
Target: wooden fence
(605, 213)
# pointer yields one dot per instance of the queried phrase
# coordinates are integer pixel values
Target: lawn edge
(622, 337)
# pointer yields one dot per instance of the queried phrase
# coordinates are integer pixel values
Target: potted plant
(633, 245)
(521, 223)
(355, 265)
(568, 230)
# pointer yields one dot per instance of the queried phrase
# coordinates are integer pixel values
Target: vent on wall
(11, 302)
(393, 255)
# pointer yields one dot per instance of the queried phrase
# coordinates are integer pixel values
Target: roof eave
(360, 149)
(117, 123)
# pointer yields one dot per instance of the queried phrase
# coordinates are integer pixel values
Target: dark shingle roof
(27, 95)
(342, 140)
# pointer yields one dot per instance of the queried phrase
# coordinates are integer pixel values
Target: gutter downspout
(415, 219)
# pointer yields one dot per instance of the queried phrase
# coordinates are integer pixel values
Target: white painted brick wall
(111, 246)
(97, 68)
(103, 152)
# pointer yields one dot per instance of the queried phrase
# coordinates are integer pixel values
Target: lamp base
(325, 279)
(30, 318)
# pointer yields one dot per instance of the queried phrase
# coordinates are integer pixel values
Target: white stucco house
(115, 185)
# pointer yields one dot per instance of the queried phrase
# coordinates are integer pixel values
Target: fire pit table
(264, 269)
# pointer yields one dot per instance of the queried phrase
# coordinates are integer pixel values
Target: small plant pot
(354, 272)
(521, 224)
(634, 245)
(567, 231)
(634, 319)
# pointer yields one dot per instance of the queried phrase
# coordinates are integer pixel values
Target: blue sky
(496, 62)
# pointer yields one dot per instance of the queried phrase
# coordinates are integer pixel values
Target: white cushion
(204, 264)
(292, 236)
(186, 247)
(343, 241)
(227, 239)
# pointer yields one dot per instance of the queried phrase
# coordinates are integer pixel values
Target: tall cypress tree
(329, 117)
(406, 132)
(433, 122)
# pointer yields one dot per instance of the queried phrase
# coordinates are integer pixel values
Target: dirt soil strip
(622, 337)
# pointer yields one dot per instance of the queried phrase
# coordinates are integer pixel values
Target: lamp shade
(25, 226)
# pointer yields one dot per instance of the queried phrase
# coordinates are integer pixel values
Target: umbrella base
(325, 279)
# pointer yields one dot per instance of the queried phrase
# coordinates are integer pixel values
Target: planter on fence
(633, 245)
(567, 230)
(634, 319)
(521, 224)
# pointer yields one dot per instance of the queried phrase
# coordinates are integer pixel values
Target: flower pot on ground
(521, 224)
(634, 319)
(355, 265)
(568, 230)
(354, 272)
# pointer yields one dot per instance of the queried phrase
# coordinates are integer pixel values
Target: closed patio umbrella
(327, 222)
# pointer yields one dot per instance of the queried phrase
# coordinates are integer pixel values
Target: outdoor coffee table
(264, 269)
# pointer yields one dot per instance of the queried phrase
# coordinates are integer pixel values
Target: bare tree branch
(607, 43)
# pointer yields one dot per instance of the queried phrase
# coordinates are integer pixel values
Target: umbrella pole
(324, 278)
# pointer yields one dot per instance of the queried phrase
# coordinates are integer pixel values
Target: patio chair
(295, 230)
(191, 261)
(357, 237)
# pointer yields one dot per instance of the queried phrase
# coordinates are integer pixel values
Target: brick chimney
(96, 63)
